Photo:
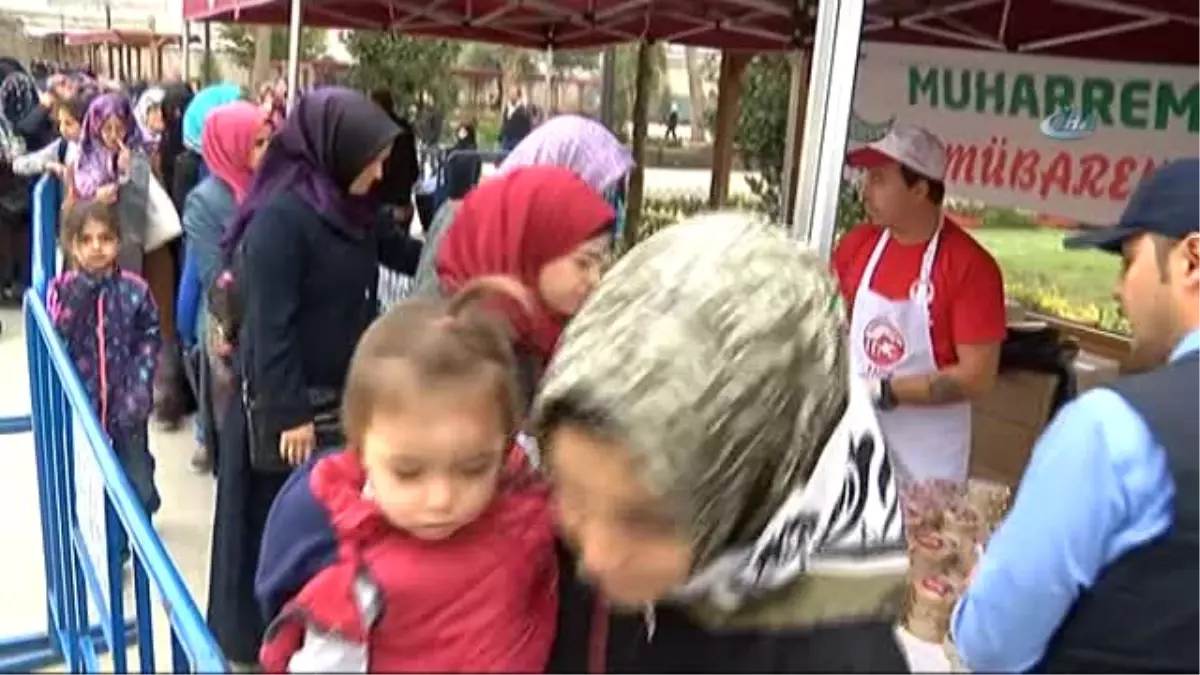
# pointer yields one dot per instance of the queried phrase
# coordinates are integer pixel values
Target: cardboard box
(1092, 370)
(1006, 424)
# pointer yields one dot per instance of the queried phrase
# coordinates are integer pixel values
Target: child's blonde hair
(437, 340)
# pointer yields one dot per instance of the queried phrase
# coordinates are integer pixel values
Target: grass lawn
(1035, 257)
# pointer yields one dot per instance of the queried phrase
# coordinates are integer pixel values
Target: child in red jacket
(444, 545)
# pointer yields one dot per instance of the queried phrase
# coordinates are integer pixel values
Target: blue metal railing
(89, 512)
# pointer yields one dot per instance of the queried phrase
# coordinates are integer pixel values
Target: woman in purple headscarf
(110, 137)
(305, 252)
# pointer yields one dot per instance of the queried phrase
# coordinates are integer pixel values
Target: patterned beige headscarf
(716, 350)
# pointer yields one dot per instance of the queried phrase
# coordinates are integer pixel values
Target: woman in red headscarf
(543, 226)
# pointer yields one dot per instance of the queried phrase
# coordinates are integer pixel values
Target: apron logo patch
(883, 343)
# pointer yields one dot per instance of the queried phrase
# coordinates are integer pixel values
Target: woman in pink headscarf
(232, 142)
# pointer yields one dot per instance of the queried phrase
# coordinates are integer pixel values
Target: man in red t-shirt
(926, 306)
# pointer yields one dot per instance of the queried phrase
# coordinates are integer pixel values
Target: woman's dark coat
(308, 285)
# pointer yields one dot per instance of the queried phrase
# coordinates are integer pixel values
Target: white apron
(929, 445)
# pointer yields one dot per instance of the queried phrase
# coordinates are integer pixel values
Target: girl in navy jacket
(108, 321)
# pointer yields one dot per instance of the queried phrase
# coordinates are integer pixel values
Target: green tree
(516, 66)
(484, 55)
(210, 70)
(626, 77)
(416, 70)
(566, 60)
(762, 127)
(521, 65)
(481, 55)
(241, 43)
(761, 139)
(561, 65)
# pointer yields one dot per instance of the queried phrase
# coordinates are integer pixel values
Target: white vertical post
(293, 66)
(835, 53)
(184, 46)
(185, 52)
(549, 82)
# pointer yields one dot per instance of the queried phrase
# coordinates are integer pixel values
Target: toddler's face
(112, 132)
(154, 119)
(97, 247)
(68, 126)
(433, 465)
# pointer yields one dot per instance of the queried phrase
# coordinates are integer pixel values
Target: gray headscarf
(716, 350)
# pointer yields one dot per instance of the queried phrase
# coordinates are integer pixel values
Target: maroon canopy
(1156, 31)
(537, 24)
(1151, 31)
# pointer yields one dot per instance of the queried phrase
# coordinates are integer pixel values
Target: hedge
(665, 208)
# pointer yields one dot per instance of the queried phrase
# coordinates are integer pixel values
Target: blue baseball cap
(1166, 203)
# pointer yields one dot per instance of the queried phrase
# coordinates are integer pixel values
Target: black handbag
(14, 197)
(264, 435)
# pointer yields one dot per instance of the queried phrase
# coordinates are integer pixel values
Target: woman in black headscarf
(33, 118)
(401, 171)
(305, 254)
(176, 98)
(175, 398)
(18, 101)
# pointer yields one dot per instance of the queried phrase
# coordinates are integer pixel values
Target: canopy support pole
(794, 140)
(293, 66)
(112, 50)
(207, 63)
(185, 54)
(637, 177)
(546, 112)
(834, 58)
(608, 89)
(729, 97)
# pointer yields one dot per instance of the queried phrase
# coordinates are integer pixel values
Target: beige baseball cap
(913, 146)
